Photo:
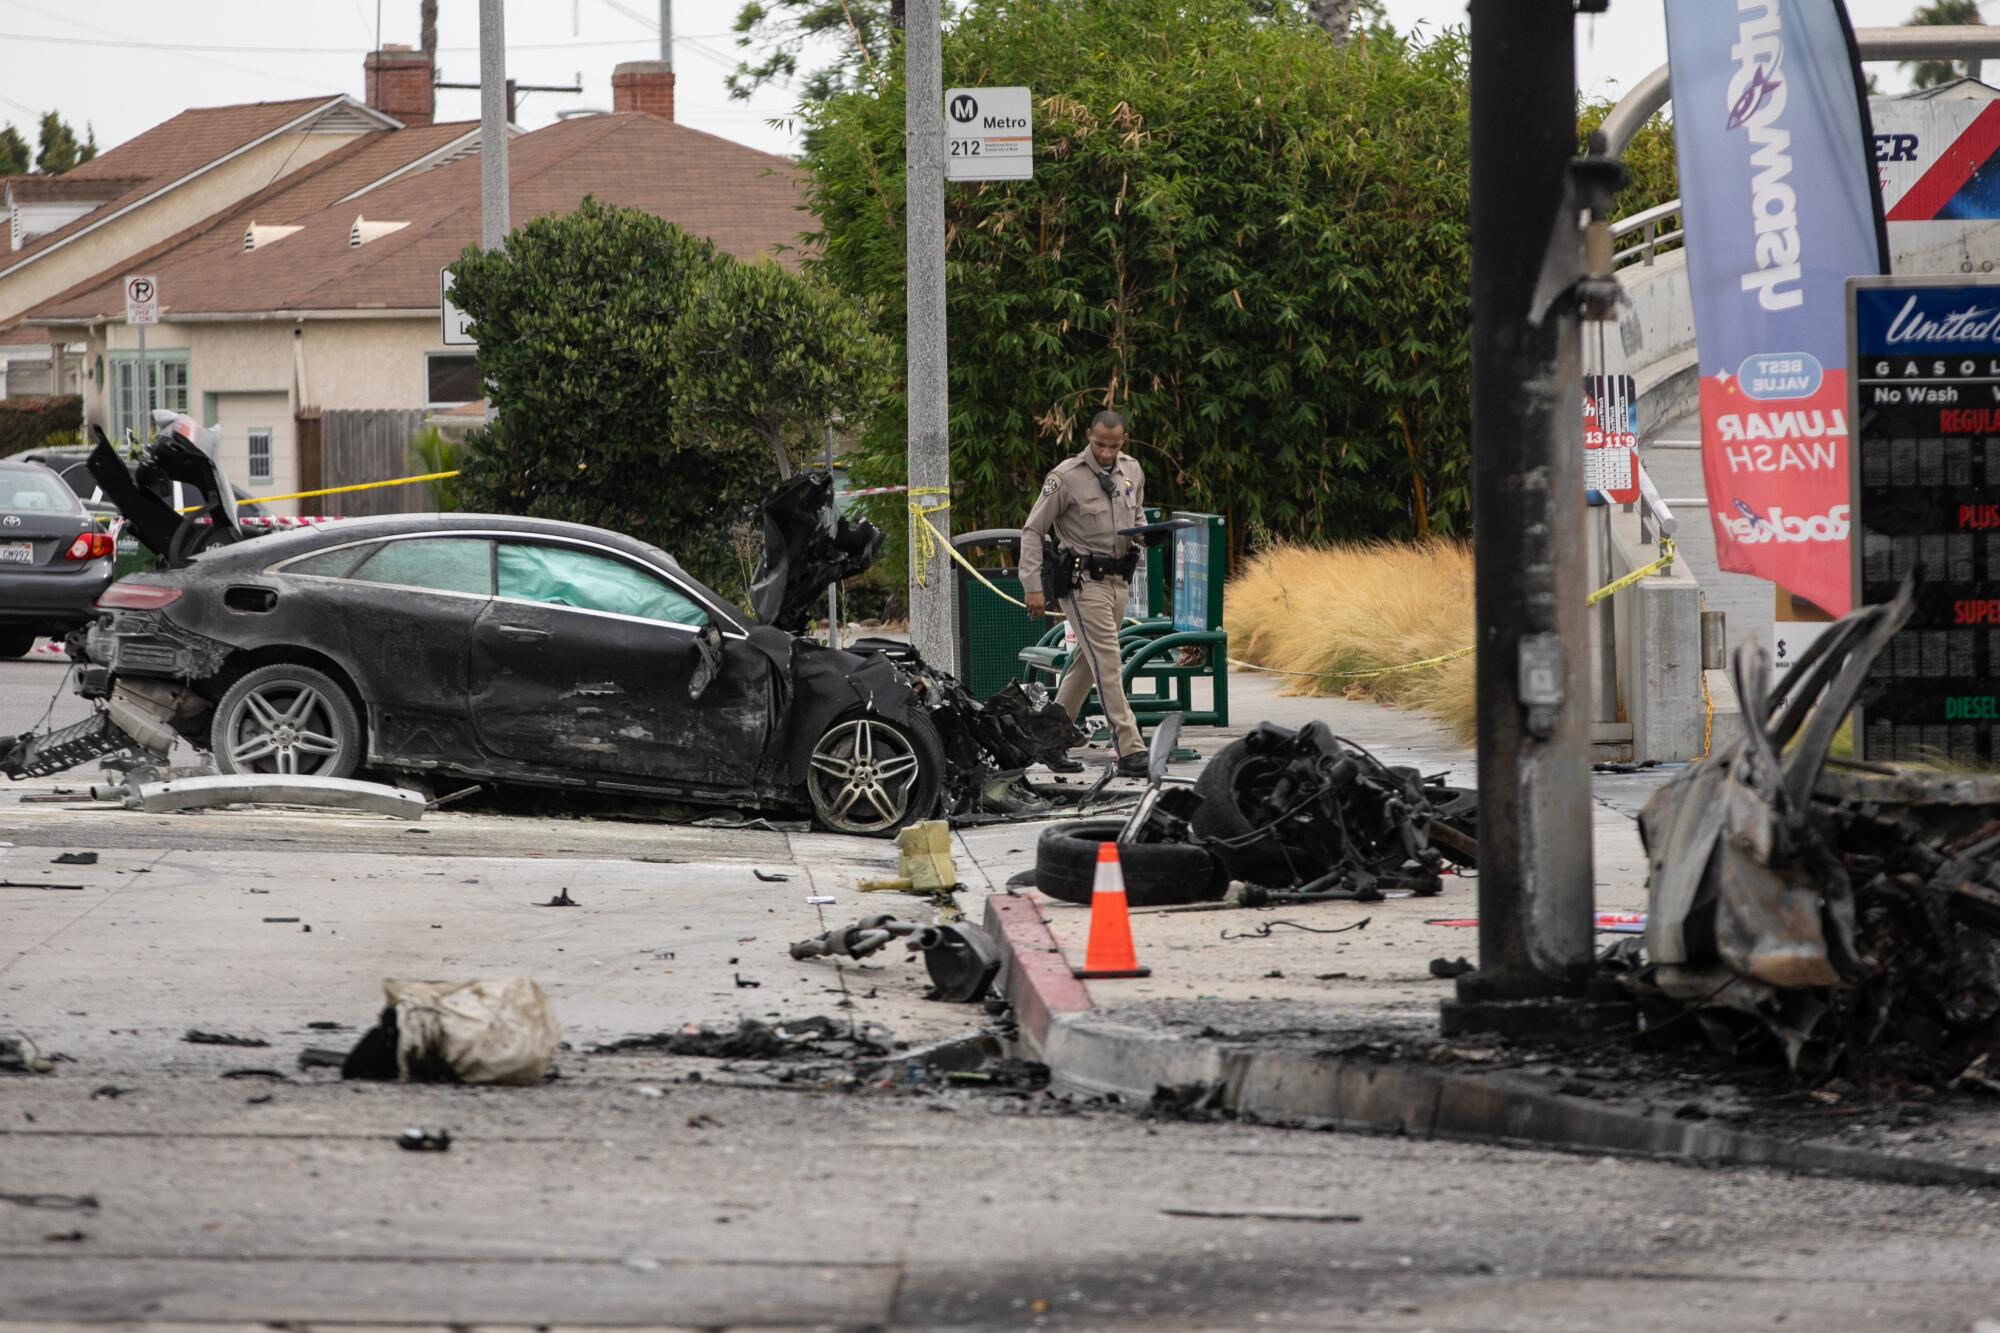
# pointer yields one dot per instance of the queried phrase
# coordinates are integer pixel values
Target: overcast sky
(125, 65)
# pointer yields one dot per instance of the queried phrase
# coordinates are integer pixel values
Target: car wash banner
(1779, 202)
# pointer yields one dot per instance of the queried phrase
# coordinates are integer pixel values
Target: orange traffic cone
(1109, 952)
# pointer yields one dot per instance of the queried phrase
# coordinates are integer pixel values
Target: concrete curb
(1094, 1053)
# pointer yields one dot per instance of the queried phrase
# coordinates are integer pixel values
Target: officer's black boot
(1064, 764)
(1133, 765)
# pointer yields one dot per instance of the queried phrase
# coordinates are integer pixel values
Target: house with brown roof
(62, 230)
(310, 311)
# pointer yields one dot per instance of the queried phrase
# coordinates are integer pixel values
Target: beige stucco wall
(111, 244)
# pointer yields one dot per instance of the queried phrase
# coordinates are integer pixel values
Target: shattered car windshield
(559, 576)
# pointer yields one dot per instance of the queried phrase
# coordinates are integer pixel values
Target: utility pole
(666, 32)
(493, 121)
(1535, 862)
(933, 623)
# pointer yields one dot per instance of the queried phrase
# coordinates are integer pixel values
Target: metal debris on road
(418, 1139)
(58, 1202)
(196, 1037)
(1850, 913)
(962, 959)
(753, 1039)
(75, 859)
(561, 899)
(774, 877)
(1264, 929)
(1446, 968)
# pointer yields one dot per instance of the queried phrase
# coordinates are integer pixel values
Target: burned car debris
(520, 651)
(1847, 912)
(1280, 808)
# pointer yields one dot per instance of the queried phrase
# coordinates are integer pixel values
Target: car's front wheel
(16, 642)
(871, 776)
(289, 720)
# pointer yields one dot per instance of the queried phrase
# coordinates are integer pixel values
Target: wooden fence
(345, 447)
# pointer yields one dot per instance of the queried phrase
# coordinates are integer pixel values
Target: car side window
(446, 564)
(335, 564)
(564, 576)
(80, 481)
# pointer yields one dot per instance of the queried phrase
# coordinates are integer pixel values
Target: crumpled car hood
(807, 546)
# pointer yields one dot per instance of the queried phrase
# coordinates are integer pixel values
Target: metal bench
(1149, 651)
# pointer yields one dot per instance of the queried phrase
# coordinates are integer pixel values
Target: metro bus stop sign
(989, 134)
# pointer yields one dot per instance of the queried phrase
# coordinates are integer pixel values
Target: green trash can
(992, 632)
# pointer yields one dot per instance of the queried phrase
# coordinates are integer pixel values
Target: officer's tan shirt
(1074, 509)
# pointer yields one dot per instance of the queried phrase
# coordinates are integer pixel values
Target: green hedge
(27, 423)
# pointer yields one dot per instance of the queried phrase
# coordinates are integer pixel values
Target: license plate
(17, 553)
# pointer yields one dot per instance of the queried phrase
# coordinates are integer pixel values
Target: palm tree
(1942, 13)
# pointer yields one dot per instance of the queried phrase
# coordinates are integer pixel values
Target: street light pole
(492, 124)
(932, 622)
(1535, 864)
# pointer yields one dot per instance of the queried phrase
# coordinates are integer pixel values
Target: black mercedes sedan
(517, 650)
(522, 651)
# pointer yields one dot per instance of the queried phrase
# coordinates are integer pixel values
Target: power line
(349, 51)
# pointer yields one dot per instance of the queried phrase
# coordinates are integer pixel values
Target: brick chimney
(644, 85)
(399, 84)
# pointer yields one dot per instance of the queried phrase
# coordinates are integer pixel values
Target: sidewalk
(1266, 1013)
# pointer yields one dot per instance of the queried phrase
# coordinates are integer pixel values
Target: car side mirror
(708, 659)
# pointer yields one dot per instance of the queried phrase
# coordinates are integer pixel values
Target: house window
(450, 380)
(260, 453)
(169, 373)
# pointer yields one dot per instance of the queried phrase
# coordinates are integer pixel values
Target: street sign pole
(932, 618)
(1535, 867)
(142, 307)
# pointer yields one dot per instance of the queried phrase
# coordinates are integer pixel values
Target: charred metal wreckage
(1290, 816)
(1850, 911)
(522, 651)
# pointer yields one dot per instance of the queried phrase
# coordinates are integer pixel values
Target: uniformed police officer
(1083, 504)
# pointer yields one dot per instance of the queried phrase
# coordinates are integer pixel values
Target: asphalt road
(639, 1190)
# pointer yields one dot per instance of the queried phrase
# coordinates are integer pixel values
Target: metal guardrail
(1655, 236)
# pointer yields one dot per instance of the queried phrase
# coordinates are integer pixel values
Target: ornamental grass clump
(1328, 611)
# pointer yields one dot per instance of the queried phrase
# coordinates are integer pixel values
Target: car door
(584, 659)
(399, 614)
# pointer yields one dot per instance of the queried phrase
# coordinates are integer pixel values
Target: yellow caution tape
(1620, 585)
(1611, 589)
(340, 490)
(925, 534)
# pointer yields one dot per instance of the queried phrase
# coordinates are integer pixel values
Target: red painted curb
(1035, 978)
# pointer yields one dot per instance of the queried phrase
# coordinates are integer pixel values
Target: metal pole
(145, 422)
(492, 123)
(931, 599)
(1535, 870)
(832, 589)
(666, 32)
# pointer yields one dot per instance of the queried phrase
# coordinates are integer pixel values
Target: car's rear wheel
(290, 720)
(16, 642)
(870, 775)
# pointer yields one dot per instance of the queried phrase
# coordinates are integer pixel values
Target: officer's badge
(1049, 486)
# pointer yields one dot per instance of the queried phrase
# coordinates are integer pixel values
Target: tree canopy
(59, 150)
(641, 380)
(1250, 240)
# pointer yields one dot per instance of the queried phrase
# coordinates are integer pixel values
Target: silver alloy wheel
(285, 726)
(863, 776)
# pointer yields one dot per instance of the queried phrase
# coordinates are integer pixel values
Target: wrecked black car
(504, 649)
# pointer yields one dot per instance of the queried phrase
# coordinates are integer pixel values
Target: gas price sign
(1925, 485)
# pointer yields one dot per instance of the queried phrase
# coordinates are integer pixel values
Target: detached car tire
(286, 719)
(870, 775)
(1157, 874)
(1221, 816)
